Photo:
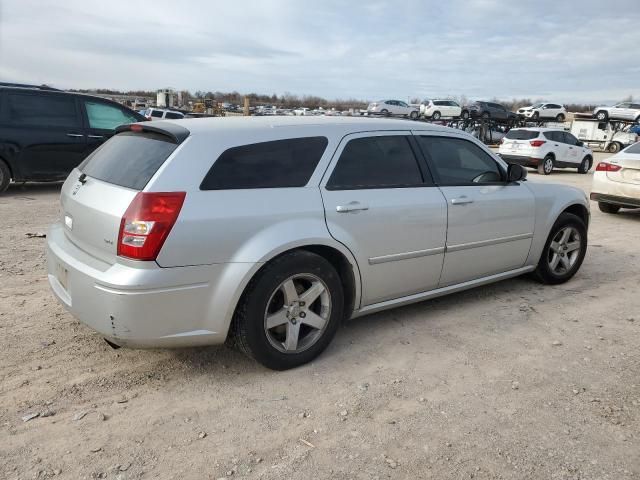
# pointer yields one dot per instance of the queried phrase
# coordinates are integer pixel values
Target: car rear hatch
(629, 171)
(518, 142)
(98, 192)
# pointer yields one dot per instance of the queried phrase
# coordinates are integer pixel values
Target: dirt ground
(509, 381)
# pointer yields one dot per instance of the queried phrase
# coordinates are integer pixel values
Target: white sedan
(393, 107)
(616, 181)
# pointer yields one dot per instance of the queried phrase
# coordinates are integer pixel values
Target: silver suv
(620, 111)
(268, 232)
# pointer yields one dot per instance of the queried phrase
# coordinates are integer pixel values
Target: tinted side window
(43, 110)
(440, 102)
(568, 138)
(279, 163)
(459, 162)
(156, 113)
(106, 117)
(553, 136)
(376, 162)
(173, 116)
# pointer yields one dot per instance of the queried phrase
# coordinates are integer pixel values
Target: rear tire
(535, 116)
(585, 166)
(546, 166)
(563, 251)
(5, 177)
(608, 207)
(274, 296)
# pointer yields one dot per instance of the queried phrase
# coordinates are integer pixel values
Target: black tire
(602, 115)
(535, 116)
(608, 207)
(413, 115)
(585, 166)
(436, 116)
(614, 147)
(546, 166)
(543, 271)
(5, 177)
(465, 114)
(486, 115)
(248, 329)
(384, 112)
(560, 117)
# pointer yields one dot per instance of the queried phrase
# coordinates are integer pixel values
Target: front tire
(384, 112)
(608, 207)
(563, 251)
(602, 115)
(614, 147)
(436, 116)
(413, 115)
(486, 115)
(546, 166)
(290, 311)
(5, 177)
(585, 166)
(560, 117)
(465, 115)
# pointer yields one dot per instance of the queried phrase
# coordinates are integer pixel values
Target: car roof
(329, 125)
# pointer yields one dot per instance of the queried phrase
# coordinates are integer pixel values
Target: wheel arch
(9, 166)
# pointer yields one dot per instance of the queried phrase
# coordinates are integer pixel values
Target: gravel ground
(511, 381)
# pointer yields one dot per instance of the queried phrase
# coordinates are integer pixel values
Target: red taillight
(537, 143)
(147, 223)
(136, 128)
(607, 167)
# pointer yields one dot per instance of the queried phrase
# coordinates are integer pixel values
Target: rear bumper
(523, 160)
(144, 305)
(616, 200)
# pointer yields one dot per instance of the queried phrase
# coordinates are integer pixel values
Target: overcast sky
(563, 51)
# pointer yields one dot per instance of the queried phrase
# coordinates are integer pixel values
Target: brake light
(607, 167)
(147, 223)
(537, 143)
(135, 127)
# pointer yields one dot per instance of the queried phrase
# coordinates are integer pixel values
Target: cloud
(374, 49)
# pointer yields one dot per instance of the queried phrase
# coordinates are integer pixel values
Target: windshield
(537, 105)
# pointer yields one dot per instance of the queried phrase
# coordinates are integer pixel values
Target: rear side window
(156, 113)
(106, 117)
(43, 110)
(521, 135)
(279, 163)
(173, 116)
(459, 162)
(553, 136)
(376, 162)
(128, 159)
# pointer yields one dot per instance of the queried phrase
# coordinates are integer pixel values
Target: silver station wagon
(268, 233)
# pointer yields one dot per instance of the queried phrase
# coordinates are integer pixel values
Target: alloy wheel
(297, 313)
(548, 165)
(564, 250)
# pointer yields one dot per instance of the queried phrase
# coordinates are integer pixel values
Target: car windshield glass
(537, 105)
(521, 135)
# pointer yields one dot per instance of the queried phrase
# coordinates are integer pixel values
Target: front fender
(551, 200)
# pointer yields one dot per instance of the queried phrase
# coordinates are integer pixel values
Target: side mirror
(516, 173)
(580, 144)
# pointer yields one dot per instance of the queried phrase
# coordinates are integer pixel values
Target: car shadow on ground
(17, 190)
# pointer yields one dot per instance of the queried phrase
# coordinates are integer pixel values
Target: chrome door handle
(75, 135)
(95, 136)
(351, 207)
(461, 200)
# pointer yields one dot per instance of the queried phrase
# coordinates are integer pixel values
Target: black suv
(491, 110)
(45, 133)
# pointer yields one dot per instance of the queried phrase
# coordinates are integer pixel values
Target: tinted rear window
(128, 159)
(635, 148)
(521, 135)
(279, 163)
(173, 116)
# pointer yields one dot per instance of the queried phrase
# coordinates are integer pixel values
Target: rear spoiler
(175, 132)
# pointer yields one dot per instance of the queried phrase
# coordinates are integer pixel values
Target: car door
(382, 205)
(101, 119)
(46, 134)
(573, 152)
(404, 108)
(454, 109)
(558, 145)
(490, 221)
